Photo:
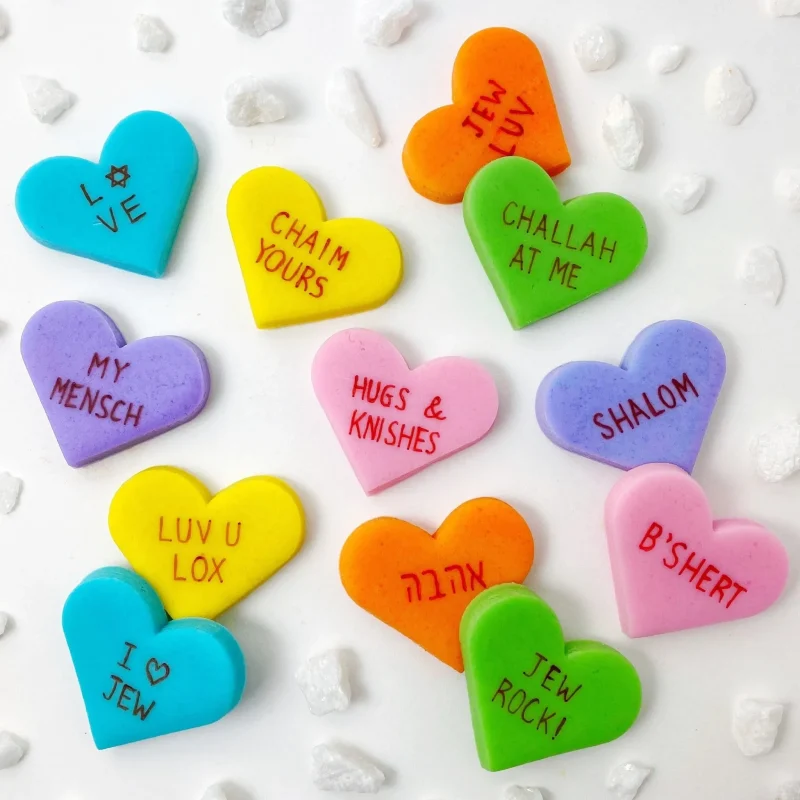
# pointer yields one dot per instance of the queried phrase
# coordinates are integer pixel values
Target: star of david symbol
(119, 176)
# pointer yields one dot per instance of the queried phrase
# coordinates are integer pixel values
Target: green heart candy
(540, 254)
(533, 696)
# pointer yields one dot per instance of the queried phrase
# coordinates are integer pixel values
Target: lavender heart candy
(102, 395)
(653, 408)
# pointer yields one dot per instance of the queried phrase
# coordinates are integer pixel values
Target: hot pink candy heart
(392, 421)
(674, 566)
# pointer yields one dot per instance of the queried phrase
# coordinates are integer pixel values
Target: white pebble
(523, 793)
(776, 452)
(729, 97)
(684, 192)
(10, 487)
(345, 99)
(253, 17)
(339, 769)
(623, 132)
(152, 35)
(248, 101)
(596, 48)
(5, 24)
(46, 98)
(12, 750)
(789, 791)
(382, 22)
(625, 780)
(215, 792)
(324, 681)
(755, 725)
(666, 58)
(4, 620)
(783, 8)
(761, 275)
(787, 188)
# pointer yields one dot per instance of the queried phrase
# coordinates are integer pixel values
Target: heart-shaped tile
(654, 407)
(674, 566)
(391, 421)
(297, 266)
(201, 553)
(540, 254)
(531, 694)
(420, 584)
(140, 675)
(125, 210)
(101, 395)
(502, 106)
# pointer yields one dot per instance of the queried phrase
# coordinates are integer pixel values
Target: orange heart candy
(502, 106)
(420, 584)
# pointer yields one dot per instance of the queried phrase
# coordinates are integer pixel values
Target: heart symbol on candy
(298, 267)
(203, 554)
(102, 395)
(140, 674)
(420, 584)
(391, 421)
(541, 255)
(674, 566)
(502, 106)
(655, 407)
(125, 210)
(532, 695)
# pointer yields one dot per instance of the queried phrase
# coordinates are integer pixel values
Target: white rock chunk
(684, 192)
(4, 620)
(523, 793)
(787, 188)
(625, 780)
(5, 24)
(345, 99)
(152, 35)
(249, 101)
(46, 98)
(783, 8)
(10, 487)
(776, 452)
(215, 792)
(12, 750)
(755, 725)
(623, 132)
(596, 48)
(666, 58)
(253, 17)
(761, 275)
(339, 769)
(324, 681)
(789, 791)
(382, 22)
(729, 97)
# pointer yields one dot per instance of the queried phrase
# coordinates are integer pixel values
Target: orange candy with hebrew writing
(420, 585)
(502, 106)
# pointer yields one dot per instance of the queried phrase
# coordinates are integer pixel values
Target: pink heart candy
(392, 421)
(674, 566)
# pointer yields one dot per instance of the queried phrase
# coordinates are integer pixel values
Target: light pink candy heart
(404, 428)
(658, 522)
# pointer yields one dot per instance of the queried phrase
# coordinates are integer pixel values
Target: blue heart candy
(124, 211)
(140, 675)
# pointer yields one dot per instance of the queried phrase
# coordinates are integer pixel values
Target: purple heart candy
(102, 395)
(653, 408)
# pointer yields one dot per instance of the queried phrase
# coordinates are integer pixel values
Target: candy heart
(101, 395)
(540, 254)
(502, 105)
(140, 675)
(531, 695)
(392, 421)
(124, 211)
(421, 584)
(654, 407)
(296, 266)
(674, 566)
(201, 553)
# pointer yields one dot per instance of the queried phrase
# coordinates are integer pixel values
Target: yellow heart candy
(201, 553)
(296, 266)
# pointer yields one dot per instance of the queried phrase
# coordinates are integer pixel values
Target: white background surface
(410, 712)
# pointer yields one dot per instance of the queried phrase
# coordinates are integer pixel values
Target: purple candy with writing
(653, 408)
(102, 395)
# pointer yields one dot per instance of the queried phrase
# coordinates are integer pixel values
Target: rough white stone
(729, 97)
(324, 681)
(12, 750)
(684, 192)
(761, 275)
(253, 17)
(666, 58)
(623, 132)
(789, 791)
(4, 620)
(523, 793)
(249, 101)
(382, 22)
(783, 8)
(596, 48)
(10, 487)
(776, 452)
(215, 792)
(345, 99)
(152, 35)
(787, 188)
(46, 98)
(339, 769)
(625, 780)
(755, 725)
(5, 24)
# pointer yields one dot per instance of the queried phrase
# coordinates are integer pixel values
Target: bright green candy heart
(533, 696)
(540, 254)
